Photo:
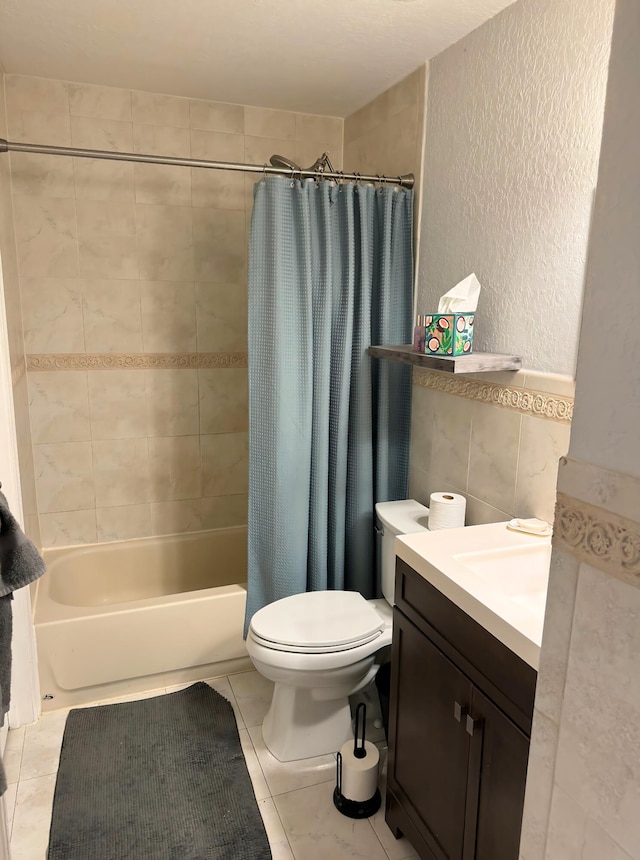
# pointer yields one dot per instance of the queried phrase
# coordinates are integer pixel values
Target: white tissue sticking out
(463, 298)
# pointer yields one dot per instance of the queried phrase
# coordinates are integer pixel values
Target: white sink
(496, 575)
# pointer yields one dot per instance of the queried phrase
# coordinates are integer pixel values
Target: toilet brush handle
(339, 772)
(360, 751)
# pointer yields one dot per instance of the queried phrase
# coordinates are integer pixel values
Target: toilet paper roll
(359, 775)
(446, 511)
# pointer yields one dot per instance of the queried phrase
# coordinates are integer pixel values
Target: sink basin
(496, 575)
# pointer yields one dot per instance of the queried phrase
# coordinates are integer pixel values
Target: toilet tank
(397, 518)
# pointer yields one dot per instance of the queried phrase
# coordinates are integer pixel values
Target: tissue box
(448, 334)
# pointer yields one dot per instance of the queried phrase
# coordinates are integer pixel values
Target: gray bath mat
(156, 779)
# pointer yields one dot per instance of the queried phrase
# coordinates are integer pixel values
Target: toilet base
(299, 725)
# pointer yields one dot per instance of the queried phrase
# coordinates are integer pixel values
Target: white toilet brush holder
(356, 793)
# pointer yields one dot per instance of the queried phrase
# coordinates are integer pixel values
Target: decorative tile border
(536, 403)
(598, 537)
(136, 361)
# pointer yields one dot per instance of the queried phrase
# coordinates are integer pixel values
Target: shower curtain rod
(405, 181)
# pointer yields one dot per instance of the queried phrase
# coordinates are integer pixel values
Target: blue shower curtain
(330, 272)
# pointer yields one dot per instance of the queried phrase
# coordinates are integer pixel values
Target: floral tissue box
(448, 334)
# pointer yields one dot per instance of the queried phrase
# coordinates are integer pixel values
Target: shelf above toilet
(477, 362)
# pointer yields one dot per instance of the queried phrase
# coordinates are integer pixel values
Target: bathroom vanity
(466, 639)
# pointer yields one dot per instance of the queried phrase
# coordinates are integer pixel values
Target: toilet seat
(317, 622)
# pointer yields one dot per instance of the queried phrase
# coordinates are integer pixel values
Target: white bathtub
(113, 618)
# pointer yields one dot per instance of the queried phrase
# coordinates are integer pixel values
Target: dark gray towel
(20, 564)
(20, 561)
(6, 627)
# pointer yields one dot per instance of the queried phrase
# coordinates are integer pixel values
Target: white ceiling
(316, 56)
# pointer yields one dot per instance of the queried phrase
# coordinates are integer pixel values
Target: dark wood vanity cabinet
(459, 726)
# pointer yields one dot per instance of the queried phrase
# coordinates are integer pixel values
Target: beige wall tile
(598, 762)
(221, 317)
(307, 150)
(26, 93)
(419, 483)
(176, 517)
(38, 126)
(161, 140)
(542, 443)
(561, 595)
(121, 468)
(109, 134)
(107, 239)
(216, 116)
(566, 827)
(537, 800)
(124, 522)
(64, 476)
(46, 237)
(112, 319)
(41, 175)
(258, 150)
(551, 383)
(67, 528)
(406, 93)
(117, 403)
(165, 243)
(225, 464)
(168, 316)
(162, 184)
(172, 402)
(100, 102)
(315, 127)
(598, 845)
(174, 468)
(493, 455)
(223, 511)
(220, 251)
(59, 406)
(217, 188)
(264, 122)
(52, 312)
(223, 400)
(95, 179)
(160, 109)
(478, 511)
(451, 437)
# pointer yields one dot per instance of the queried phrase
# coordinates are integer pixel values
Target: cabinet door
(429, 747)
(497, 787)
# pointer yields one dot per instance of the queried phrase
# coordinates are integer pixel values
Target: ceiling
(316, 56)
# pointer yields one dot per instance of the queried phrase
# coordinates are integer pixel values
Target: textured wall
(146, 263)
(514, 124)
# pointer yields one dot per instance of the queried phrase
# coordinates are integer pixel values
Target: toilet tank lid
(404, 517)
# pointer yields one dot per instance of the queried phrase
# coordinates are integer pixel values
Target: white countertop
(497, 576)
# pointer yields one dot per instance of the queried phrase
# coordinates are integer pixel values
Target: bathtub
(128, 616)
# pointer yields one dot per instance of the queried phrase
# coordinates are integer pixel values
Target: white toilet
(320, 647)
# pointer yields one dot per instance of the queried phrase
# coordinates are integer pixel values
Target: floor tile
(317, 831)
(278, 842)
(13, 750)
(42, 745)
(253, 694)
(32, 818)
(10, 804)
(396, 849)
(289, 776)
(260, 787)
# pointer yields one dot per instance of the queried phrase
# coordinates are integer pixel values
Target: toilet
(320, 647)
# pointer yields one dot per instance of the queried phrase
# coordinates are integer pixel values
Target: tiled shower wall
(134, 298)
(16, 341)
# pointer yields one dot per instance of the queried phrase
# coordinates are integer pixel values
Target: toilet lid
(317, 620)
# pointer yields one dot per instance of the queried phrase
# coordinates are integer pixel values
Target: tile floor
(295, 799)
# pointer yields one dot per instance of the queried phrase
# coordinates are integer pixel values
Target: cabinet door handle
(471, 725)
(459, 711)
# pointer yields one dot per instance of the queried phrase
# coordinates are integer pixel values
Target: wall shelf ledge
(477, 362)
